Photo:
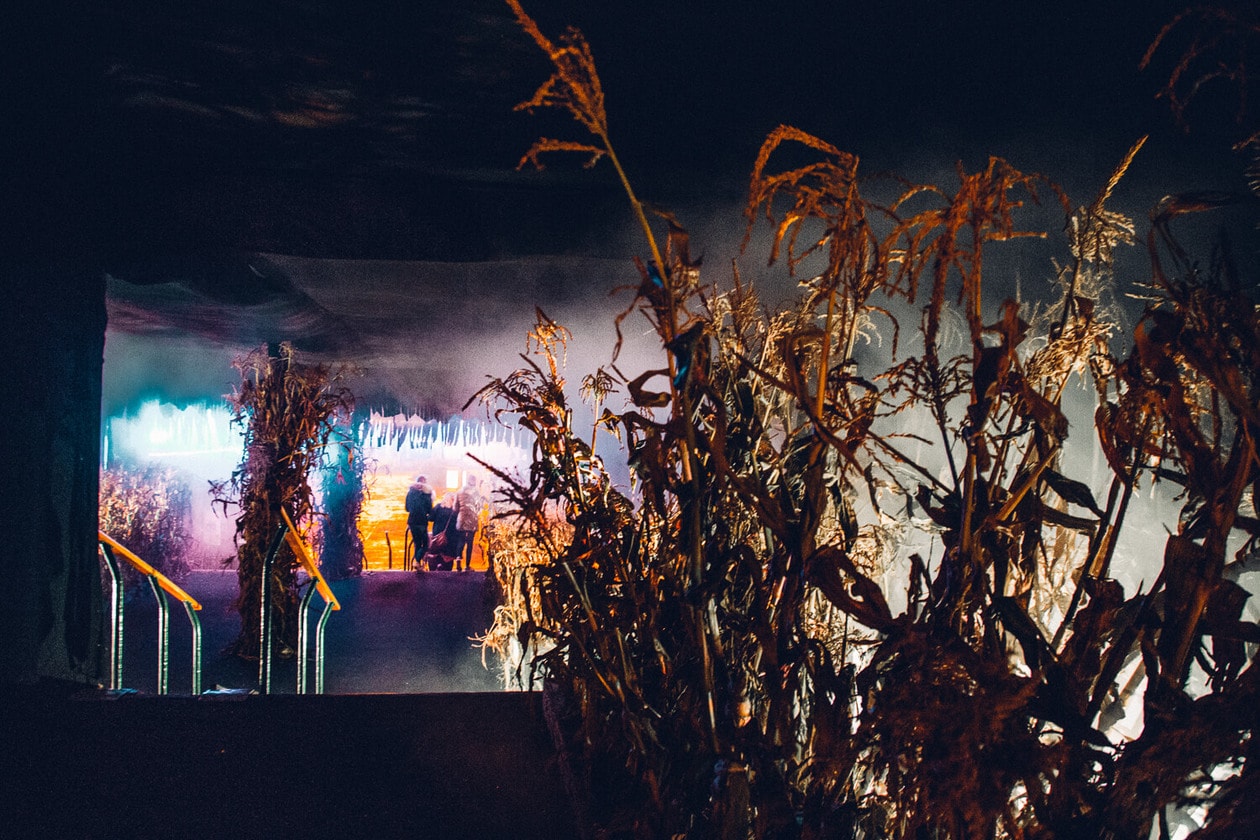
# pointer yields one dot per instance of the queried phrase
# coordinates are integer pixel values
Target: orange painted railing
(144, 568)
(111, 549)
(308, 562)
(289, 533)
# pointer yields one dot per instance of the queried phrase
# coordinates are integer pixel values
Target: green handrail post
(115, 617)
(163, 638)
(161, 585)
(317, 584)
(265, 625)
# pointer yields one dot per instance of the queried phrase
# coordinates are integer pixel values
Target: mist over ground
(419, 336)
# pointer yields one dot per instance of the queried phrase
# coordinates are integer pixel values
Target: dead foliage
(520, 627)
(755, 632)
(289, 410)
(147, 510)
(1214, 43)
(338, 541)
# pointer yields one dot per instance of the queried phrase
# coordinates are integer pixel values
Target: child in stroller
(444, 545)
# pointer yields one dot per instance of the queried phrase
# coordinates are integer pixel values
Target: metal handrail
(288, 533)
(161, 585)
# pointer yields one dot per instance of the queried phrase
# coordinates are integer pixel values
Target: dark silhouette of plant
(1215, 56)
(290, 411)
(754, 632)
(1184, 407)
(1214, 60)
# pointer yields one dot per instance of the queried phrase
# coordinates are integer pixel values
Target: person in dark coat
(444, 546)
(419, 506)
(443, 519)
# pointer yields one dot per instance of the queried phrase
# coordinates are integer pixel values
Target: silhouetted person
(419, 511)
(468, 504)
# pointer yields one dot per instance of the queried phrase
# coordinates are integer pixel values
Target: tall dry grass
(723, 639)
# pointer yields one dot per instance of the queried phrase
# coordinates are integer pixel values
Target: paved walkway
(397, 632)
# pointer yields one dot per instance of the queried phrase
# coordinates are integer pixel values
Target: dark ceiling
(367, 128)
(181, 143)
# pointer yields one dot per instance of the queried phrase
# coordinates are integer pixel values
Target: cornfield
(860, 594)
(147, 510)
(339, 543)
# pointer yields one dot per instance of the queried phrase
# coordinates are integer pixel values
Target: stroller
(444, 545)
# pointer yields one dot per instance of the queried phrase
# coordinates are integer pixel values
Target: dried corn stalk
(289, 410)
(727, 630)
(147, 510)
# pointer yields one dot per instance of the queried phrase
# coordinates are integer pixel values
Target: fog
(419, 336)
(264, 162)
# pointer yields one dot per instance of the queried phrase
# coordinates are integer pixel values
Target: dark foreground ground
(75, 765)
(78, 762)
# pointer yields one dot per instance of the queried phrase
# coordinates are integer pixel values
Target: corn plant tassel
(751, 629)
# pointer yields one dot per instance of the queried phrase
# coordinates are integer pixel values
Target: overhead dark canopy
(423, 336)
(373, 129)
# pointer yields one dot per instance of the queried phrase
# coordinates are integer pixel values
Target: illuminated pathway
(203, 445)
